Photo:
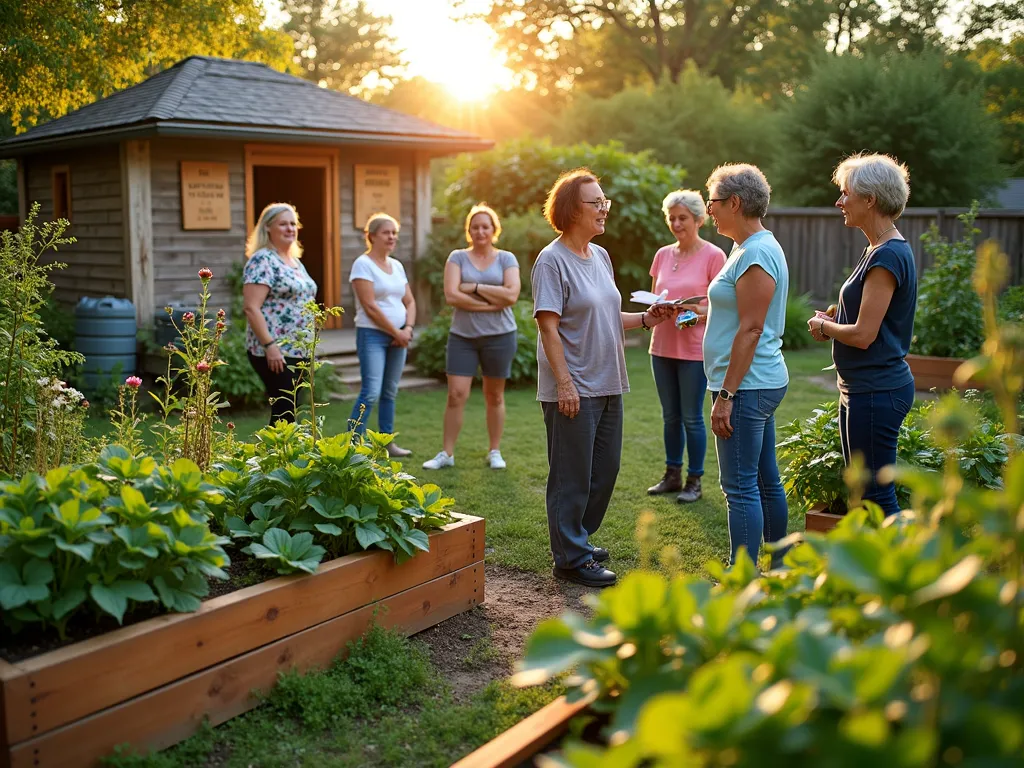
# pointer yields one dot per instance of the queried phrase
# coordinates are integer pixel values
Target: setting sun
(460, 55)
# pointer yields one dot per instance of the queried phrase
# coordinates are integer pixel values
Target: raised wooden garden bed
(522, 742)
(935, 372)
(152, 684)
(819, 520)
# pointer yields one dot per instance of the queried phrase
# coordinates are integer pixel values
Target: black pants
(280, 386)
(583, 461)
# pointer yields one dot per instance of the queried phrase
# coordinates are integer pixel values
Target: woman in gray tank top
(481, 283)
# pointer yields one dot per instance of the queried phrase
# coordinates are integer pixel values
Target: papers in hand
(646, 297)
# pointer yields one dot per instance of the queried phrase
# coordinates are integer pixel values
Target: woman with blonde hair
(385, 316)
(275, 289)
(481, 283)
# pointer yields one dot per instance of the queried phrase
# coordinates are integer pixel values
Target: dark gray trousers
(583, 461)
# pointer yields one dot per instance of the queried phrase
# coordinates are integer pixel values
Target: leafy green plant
(811, 456)
(341, 494)
(891, 641)
(949, 321)
(27, 353)
(798, 310)
(104, 537)
(432, 344)
(1011, 305)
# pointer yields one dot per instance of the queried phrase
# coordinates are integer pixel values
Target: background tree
(62, 54)
(1002, 77)
(339, 43)
(695, 123)
(923, 110)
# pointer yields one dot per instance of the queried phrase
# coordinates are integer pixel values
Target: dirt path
(482, 645)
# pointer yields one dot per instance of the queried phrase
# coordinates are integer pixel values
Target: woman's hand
(275, 358)
(721, 418)
(404, 337)
(814, 326)
(568, 398)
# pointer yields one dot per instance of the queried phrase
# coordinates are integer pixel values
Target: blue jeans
(380, 366)
(869, 424)
(583, 461)
(750, 474)
(682, 386)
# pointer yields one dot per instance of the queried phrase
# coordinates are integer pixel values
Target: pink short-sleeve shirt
(691, 277)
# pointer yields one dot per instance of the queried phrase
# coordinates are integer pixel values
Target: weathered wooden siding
(178, 255)
(352, 244)
(96, 263)
(821, 249)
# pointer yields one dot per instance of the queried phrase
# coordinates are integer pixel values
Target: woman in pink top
(684, 269)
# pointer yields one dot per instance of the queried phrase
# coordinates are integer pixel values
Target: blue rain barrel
(105, 333)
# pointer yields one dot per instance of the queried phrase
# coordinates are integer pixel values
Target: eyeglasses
(717, 199)
(604, 204)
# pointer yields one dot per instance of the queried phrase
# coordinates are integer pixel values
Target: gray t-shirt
(472, 325)
(583, 293)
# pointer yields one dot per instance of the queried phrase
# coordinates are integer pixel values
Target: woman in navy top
(874, 324)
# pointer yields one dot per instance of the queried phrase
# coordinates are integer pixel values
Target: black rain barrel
(105, 333)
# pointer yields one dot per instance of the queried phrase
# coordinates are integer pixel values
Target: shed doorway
(308, 179)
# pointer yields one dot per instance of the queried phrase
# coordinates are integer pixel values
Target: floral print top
(290, 289)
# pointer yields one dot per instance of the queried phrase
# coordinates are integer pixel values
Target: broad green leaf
(418, 539)
(67, 602)
(368, 534)
(952, 581)
(109, 601)
(329, 528)
(866, 728)
(37, 572)
(550, 651)
(639, 599)
(84, 549)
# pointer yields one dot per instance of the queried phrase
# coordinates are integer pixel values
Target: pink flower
(221, 314)
(189, 318)
(221, 325)
(84, 403)
(133, 381)
(203, 367)
(205, 273)
(231, 425)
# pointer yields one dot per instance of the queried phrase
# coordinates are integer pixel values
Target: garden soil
(474, 648)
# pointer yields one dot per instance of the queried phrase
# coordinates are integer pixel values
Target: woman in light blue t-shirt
(743, 361)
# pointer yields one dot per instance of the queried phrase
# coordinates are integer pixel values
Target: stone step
(405, 384)
(351, 376)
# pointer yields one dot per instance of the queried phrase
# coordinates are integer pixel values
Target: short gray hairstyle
(747, 183)
(690, 199)
(882, 176)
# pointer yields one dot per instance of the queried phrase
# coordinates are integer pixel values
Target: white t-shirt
(388, 290)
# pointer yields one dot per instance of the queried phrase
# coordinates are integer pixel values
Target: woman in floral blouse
(275, 289)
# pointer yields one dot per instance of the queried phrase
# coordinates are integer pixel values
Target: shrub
(514, 178)
(432, 344)
(918, 108)
(949, 321)
(28, 356)
(104, 538)
(799, 310)
(1011, 305)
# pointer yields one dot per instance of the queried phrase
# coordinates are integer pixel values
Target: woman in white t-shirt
(385, 315)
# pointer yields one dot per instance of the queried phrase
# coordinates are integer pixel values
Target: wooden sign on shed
(205, 196)
(377, 190)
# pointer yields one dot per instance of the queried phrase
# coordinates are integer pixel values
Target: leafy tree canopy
(59, 55)
(695, 123)
(341, 44)
(921, 109)
(1002, 77)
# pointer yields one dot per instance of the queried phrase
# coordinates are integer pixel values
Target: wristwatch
(725, 394)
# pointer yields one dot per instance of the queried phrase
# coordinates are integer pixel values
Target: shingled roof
(231, 99)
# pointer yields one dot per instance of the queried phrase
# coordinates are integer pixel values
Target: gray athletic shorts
(491, 354)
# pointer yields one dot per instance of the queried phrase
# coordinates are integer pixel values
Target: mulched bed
(34, 640)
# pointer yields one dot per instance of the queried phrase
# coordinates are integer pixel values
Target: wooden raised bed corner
(153, 684)
(819, 520)
(936, 372)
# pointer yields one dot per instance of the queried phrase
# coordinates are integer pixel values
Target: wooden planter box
(527, 738)
(935, 372)
(152, 684)
(819, 520)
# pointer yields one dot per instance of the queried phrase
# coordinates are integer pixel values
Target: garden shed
(169, 175)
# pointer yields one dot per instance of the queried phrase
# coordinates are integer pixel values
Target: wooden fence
(821, 249)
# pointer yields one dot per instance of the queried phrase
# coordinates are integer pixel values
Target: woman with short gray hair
(743, 359)
(683, 269)
(873, 324)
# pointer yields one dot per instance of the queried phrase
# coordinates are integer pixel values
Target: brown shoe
(691, 492)
(398, 453)
(670, 483)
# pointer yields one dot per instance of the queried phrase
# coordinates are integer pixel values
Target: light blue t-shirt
(768, 369)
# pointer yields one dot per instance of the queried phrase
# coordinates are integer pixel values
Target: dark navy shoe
(590, 574)
(600, 554)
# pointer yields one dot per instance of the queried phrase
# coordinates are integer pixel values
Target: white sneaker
(495, 460)
(440, 461)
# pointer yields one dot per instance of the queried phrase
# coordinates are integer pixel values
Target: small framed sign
(205, 196)
(377, 190)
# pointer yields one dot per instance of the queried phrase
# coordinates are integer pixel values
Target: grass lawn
(513, 501)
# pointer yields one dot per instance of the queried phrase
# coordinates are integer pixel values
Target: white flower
(43, 381)
(57, 386)
(74, 395)
(58, 402)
